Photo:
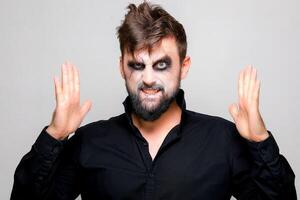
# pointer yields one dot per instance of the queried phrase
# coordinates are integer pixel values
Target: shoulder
(208, 120)
(101, 128)
(215, 126)
(103, 124)
(218, 131)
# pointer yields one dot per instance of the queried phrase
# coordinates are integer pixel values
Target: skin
(69, 113)
(245, 113)
(155, 131)
(153, 70)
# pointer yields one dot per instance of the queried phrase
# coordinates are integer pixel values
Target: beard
(151, 113)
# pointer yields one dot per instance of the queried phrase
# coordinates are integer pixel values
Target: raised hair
(145, 25)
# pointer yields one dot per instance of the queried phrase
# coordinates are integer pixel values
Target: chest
(154, 145)
(180, 168)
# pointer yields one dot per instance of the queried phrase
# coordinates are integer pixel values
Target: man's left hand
(246, 113)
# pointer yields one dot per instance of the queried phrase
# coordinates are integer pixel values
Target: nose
(148, 76)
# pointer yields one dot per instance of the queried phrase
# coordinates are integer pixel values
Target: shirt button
(48, 161)
(55, 149)
(263, 151)
(151, 175)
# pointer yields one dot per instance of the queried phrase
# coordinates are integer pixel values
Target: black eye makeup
(163, 63)
(136, 65)
(160, 65)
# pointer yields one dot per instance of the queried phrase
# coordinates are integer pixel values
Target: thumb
(233, 110)
(85, 108)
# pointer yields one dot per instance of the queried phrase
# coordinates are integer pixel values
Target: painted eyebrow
(165, 58)
(134, 62)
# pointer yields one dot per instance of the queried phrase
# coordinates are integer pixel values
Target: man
(157, 149)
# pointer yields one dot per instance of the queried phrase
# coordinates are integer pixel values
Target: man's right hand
(68, 113)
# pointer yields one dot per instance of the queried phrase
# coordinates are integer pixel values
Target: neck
(167, 120)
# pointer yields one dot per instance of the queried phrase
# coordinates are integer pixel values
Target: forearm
(265, 175)
(35, 171)
(271, 171)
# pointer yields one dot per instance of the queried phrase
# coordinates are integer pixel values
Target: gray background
(224, 36)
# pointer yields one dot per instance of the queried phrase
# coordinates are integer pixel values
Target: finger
(65, 79)
(70, 77)
(85, 108)
(256, 92)
(246, 81)
(76, 80)
(233, 110)
(58, 90)
(76, 94)
(240, 83)
(252, 83)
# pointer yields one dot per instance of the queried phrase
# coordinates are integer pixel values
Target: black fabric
(203, 157)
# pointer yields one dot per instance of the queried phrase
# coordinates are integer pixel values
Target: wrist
(261, 137)
(58, 135)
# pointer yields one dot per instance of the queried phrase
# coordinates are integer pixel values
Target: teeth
(150, 91)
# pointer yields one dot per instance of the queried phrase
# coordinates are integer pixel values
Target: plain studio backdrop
(36, 37)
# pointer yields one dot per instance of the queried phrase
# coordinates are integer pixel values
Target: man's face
(152, 79)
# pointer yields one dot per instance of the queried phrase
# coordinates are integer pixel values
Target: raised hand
(68, 113)
(246, 113)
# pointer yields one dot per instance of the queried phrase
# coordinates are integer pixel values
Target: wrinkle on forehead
(164, 47)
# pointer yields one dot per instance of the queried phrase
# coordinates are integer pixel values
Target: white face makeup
(153, 77)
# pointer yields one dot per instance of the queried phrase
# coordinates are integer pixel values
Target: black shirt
(203, 157)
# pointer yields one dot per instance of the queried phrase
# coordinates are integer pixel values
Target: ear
(186, 63)
(121, 67)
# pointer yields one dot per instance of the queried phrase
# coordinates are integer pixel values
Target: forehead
(166, 46)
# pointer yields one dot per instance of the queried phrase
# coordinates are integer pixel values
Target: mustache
(143, 86)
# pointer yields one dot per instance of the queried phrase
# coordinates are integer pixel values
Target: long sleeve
(48, 171)
(265, 175)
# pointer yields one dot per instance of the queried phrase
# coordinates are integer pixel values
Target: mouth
(150, 91)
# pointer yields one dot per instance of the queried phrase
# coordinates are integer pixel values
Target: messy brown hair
(145, 25)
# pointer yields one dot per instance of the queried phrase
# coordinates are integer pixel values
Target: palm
(68, 113)
(246, 114)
